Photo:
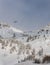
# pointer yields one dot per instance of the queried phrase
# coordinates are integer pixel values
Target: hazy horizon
(28, 14)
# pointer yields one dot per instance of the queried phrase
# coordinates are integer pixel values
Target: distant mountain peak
(5, 25)
(7, 30)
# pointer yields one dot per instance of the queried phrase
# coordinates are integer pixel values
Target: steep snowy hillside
(17, 46)
(42, 33)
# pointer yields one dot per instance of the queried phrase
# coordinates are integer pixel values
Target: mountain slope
(17, 46)
(8, 31)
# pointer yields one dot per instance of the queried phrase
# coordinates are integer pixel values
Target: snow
(18, 46)
(16, 30)
(30, 63)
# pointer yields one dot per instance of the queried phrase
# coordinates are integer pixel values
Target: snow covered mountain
(41, 33)
(8, 31)
(17, 46)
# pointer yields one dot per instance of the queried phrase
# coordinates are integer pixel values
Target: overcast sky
(29, 14)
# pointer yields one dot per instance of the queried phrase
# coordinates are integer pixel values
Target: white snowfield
(19, 48)
(30, 63)
(16, 30)
(7, 31)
